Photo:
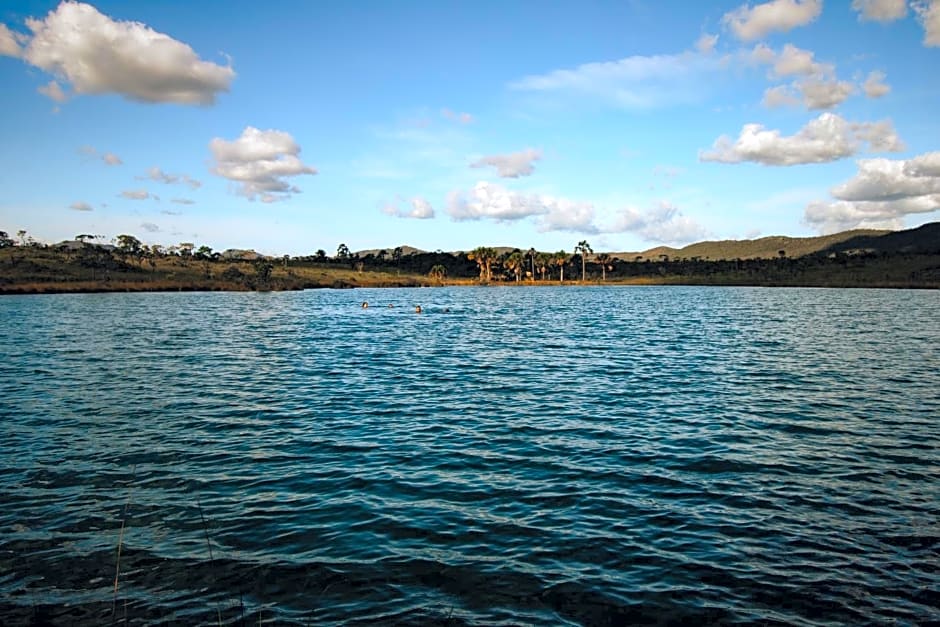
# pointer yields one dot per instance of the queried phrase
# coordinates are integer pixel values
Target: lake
(576, 455)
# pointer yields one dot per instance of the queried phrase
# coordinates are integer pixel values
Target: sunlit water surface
(510, 456)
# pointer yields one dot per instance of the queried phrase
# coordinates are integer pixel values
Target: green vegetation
(852, 259)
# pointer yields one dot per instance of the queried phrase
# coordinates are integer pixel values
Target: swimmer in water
(365, 305)
(418, 309)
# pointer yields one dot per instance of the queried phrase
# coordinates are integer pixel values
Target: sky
(292, 126)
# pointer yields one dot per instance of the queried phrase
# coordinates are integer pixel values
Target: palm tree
(604, 259)
(532, 253)
(584, 249)
(560, 260)
(483, 256)
(438, 272)
(514, 263)
(544, 261)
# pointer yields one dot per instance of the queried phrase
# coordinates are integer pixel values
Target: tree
(204, 254)
(22, 235)
(583, 248)
(484, 257)
(514, 263)
(342, 251)
(438, 272)
(321, 255)
(543, 263)
(263, 269)
(531, 254)
(604, 259)
(5, 240)
(186, 251)
(128, 246)
(561, 260)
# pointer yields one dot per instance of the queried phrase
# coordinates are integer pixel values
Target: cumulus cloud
(136, 194)
(780, 96)
(9, 42)
(874, 86)
(421, 209)
(826, 138)
(928, 14)
(81, 206)
(156, 174)
(890, 179)
(750, 23)
(824, 93)
(463, 117)
(881, 194)
(706, 43)
(796, 61)
(664, 224)
(637, 82)
(98, 55)
(150, 227)
(816, 83)
(880, 10)
(53, 91)
(260, 162)
(512, 165)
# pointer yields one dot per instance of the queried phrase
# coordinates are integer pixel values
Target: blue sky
(293, 126)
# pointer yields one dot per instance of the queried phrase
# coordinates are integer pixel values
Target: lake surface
(510, 456)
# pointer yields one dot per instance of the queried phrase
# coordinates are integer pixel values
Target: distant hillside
(763, 248)
(923, 240)
(405, 250)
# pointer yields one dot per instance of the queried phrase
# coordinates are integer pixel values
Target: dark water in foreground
(533, 456)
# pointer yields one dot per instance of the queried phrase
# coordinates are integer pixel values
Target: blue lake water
(579, 456)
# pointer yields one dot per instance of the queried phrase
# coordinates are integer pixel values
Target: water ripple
(579, 456)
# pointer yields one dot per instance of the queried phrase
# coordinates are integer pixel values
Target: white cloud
(923, 165)
(9, 42)
(796, 61)
(98, 55)
(928, 14)
(817, 84)
(463, 117)
(156, 174)
(109, 158)
(874, 86)
(53, 91)
(706, 43)
(136, 194)
(823, 93)
(81, 206)
(495, 202)
(826, 138)
(489, 201)
(749, 23)
(150, 227)
(183, 201)
(881, 194)
(891, 179)
(880, 10)
(779, 96)
(637, 82)
(664, 224)
(260, 162)
(512, 165)
(421, 209)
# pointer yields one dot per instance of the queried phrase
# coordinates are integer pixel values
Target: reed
(117, 562)
(205, 528)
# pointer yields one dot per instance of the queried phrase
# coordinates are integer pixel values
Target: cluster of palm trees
(517, 262)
